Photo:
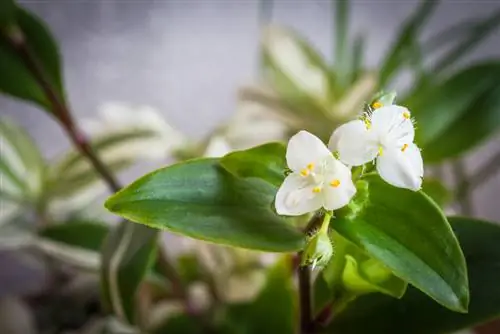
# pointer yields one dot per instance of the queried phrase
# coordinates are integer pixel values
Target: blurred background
(189, 62)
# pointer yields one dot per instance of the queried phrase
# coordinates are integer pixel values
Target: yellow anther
(310, 166)
(335, 183)
(376, 105)
(304, 172)
(316, 190)
(406, 115)
(368, 124)
(380, 150)
(405, 146)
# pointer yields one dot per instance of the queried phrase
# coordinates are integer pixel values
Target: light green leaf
(407, 232)
(457, 115)
(82, 234)
(265, 162)
(396, 57)
(22, 167)
(17, 79)
(341, 34)
(128, 253)
(202, 200)
(416, 313)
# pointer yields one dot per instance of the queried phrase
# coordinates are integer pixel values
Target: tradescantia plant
(344, 207)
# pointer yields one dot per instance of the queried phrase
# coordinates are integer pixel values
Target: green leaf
(479, 32)
(128, 253)
(22, 166)
(436, 190)
(457, 115)
(341, 34)
(396, 57)
(265, 162)
(17, 79)
(87, 235)
(201, 200)
(274, 309)
(407, 232)
(415, 313)
(7, 13)
(181, 324)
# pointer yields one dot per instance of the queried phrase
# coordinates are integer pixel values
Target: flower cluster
(321, 176)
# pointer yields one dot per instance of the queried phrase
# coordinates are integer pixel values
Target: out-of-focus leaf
(22, 166)
(416, 313)
(478, 33)
(341, 33)
(358, 50)
(396, 56)
(265, 162)
(202, 200)
(17, 79)
(7, 13)
(181, 324)
(274, 309)
(437, 191)
(128, 253)
(407, 232)
(73, 172)
(87, 235)
(457, 115)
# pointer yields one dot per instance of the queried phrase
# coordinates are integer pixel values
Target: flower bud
(318, 250)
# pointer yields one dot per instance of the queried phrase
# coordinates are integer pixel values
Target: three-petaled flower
(317, 180)
(385, 135)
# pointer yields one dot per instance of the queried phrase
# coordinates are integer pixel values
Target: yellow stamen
(310, 166)
(335, 183)
(380, 150)
(368, 124)
(405, 146)
(316, 190)
(376, 105)
(304, 172)
(406, 115)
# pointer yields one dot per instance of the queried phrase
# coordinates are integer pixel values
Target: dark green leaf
(87, 235)
(407, 232)
(127, 254)
(403, 43)
(458, 115)
(200, 199)
(437, 191)
(7, 13)
(415, 313)
(265, 162)
(17, 79)
(181, 324)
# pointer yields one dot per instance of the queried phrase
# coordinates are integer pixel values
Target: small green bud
(318, 250)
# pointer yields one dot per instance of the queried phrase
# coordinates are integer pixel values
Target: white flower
(386, 135)
(317, 179)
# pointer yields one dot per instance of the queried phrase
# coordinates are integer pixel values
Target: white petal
(402, 169)
(295, 197)
(339, 196)
(394, 123)
(303, 149)
(354, 143)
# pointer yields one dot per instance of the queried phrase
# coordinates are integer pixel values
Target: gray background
(187, 58)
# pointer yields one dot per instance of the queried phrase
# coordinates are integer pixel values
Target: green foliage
(28, 34)
(200, 199)
(127, 255)
(436, 190)
(407, 232)
(455, 116)
(83, 234)
(415, 313)
(7, 13)
(265, 162)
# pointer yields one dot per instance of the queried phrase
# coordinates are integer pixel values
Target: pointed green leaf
(17, 79)
(202, 200)
(416, 313)
(407, 232)
(265, 162)
(87, 235)
(127, 255)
